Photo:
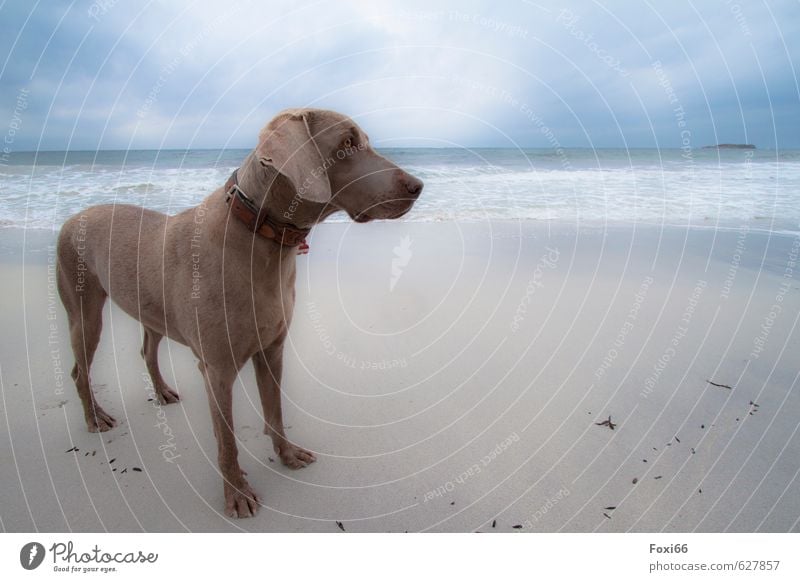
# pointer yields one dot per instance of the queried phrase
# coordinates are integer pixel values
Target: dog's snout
(412, 185)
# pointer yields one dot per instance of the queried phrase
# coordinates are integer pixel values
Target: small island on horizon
(730, 146)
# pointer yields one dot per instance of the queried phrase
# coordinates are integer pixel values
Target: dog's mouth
(389, 214)
(361, 217)
(403, 212)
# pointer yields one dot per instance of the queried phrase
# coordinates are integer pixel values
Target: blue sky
(159, 74)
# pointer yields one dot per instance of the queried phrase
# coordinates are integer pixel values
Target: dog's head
(329, 161)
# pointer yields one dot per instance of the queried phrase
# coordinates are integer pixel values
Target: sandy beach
(458, 377)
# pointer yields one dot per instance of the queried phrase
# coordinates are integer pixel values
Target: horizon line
(473, 147)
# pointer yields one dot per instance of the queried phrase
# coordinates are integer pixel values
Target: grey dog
(308, 164)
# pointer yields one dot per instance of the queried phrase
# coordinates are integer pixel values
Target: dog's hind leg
(84, 302)
(150, 354)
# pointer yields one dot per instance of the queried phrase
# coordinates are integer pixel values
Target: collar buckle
(235, 192)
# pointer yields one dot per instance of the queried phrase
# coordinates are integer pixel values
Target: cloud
(201, 74)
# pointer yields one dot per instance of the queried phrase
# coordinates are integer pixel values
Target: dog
(220, 277)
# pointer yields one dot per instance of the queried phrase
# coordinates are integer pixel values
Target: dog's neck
(272, 192)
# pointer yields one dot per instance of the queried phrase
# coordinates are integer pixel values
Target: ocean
(703, 188)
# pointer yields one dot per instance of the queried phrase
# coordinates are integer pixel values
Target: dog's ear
(288, 144)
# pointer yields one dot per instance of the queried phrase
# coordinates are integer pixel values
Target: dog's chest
(273, 302)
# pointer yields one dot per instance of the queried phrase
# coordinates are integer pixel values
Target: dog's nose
(413, 185)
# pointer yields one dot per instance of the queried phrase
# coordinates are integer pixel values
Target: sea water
(707, 187)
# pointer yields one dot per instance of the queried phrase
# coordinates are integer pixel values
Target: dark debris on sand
(607, 423)
(719, 385)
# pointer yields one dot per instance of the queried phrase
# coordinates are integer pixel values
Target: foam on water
(669, 186)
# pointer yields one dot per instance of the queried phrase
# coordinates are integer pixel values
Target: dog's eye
(347, 144)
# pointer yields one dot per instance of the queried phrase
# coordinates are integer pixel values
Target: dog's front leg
(240, 499)
(269, 368)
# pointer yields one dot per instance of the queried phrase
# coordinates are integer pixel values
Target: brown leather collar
(244, 208)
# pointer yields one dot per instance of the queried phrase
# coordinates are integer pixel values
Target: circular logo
(31, 555)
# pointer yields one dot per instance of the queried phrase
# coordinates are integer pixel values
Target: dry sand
(461, 389)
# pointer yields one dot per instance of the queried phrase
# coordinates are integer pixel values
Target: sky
(118, 74)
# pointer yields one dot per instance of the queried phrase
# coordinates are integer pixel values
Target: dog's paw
(100, 421)
(241, 501)
(295, 457)
(167, 395)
